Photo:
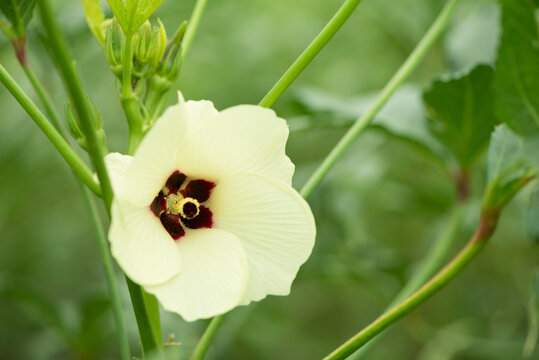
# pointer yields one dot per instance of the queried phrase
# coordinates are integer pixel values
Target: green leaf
(517, 68)
(533, 319)
(460, 113)
(511, 163)
(18, 13)
(131, 14)
(95, 18)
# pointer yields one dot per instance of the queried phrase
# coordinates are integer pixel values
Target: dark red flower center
(179, 206)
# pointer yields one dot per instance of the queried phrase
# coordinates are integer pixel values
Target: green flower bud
(73, 126)
(169, 68)
(114, 40)
(149, 46)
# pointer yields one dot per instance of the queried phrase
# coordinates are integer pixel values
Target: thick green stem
(97, 154)
(205, 341)
(146, 333)
(79, 167)
(428, 266)
(129, 99)
(310, 52)
(487, 225)
(192, 27)
(400, 76)
(96, 149)
(96, 222)
(109, 274)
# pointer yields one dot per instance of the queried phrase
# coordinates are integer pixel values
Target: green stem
(129, 99)
(400, 76)
(79, 167)
(310, 52)
(96, 222)
(205, 341)
(109, 274)
(97, 154)
(428, 267)
(43, 96)
(192, 27)
(488, 223)
(96, 150)
(147, 335)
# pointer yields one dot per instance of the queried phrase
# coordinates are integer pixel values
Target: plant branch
(192, 27)
(97, 154)
(205, 341)
(96, 222)
(400, 76)
(428, 266)
(109, 274)
(487, 226)
(75, 162)
(95, 149)
(310, 52)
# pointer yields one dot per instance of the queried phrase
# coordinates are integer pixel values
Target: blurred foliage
(376, 212)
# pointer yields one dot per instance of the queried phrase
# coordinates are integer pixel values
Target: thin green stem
(310, 52)
(75, 162)
(489, 221)
(109, 274)
(428, 266)
(96, 149)
(97, 154)
(146, 333)
(43, 96)
(192, 27)
(400, 76)
(96, 222)
(205, 341)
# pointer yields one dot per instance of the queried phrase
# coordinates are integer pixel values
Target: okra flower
(204, 215)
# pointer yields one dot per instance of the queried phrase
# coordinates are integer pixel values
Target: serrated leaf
(511, 164)
(95, 18)
(131, 14)
(460, 112)
(517, 68)
(18, 13)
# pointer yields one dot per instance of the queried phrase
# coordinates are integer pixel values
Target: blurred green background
(377, 212)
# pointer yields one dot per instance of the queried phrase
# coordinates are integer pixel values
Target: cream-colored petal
(141, 246)
(212, 278)
(275, 225)
(117, 165)
(244, 138)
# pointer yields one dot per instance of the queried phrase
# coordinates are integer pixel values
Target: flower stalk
(411, 63)
(96, 150)
(485, 230)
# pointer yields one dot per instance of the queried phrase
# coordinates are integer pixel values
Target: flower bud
(114, 40)
(73, 126)
(149, 46)
(169, 67)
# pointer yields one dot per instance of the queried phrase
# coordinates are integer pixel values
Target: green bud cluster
(149, 47)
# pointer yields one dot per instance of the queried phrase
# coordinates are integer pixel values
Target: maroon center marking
(202, 220)
(159, 204)
(171, 223)
(175, 181)
(190, 210)
(198, 189)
